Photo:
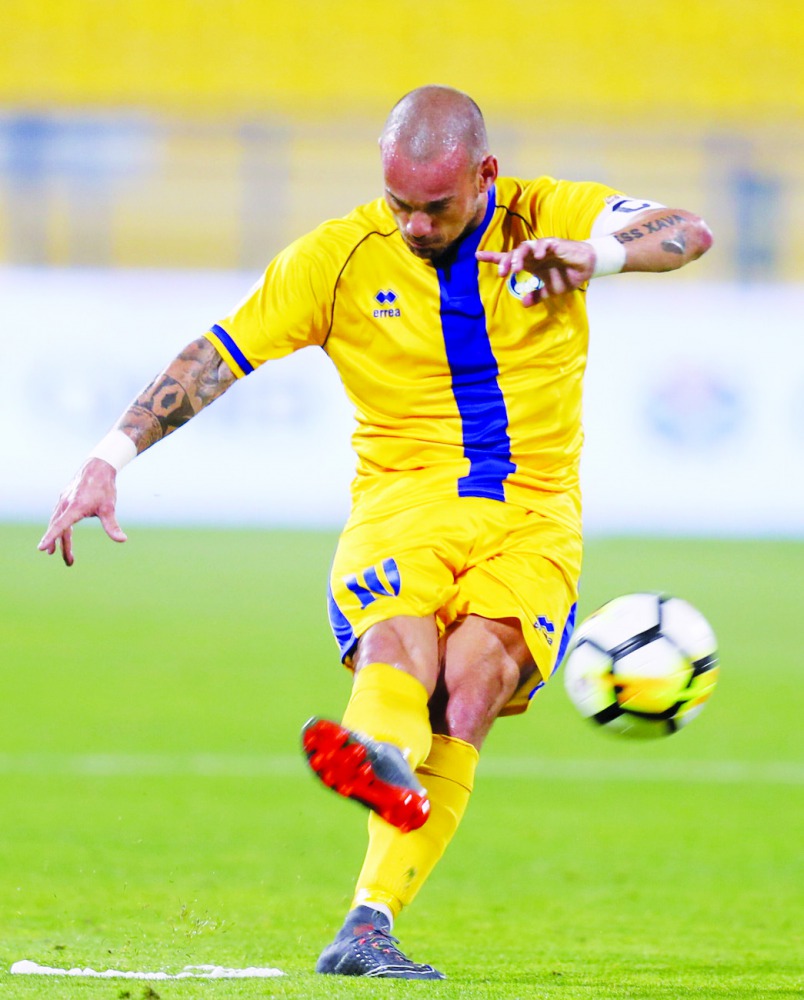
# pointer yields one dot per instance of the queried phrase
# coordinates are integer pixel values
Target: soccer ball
(643, 665)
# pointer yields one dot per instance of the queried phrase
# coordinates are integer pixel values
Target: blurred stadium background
(154, 156)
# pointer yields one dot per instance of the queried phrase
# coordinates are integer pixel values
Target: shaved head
(432, 123)
(437, 168)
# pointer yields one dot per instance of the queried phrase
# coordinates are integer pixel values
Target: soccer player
(454, 311)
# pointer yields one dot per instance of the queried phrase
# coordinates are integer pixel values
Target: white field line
(28, 968)
(214, 765)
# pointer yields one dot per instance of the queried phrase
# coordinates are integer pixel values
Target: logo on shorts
(386, 298)
(546, 627)
(368, 585)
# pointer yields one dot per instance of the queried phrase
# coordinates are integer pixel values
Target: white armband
(116, 448)
(620, 212)
(609, 255)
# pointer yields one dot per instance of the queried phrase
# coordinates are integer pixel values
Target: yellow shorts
(455, 558)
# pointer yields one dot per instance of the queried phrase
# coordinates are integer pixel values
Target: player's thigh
(532, 578)
(485, 660)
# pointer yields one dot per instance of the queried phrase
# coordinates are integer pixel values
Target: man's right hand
(92, 493)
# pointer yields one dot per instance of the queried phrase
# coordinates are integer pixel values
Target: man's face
(434, 204)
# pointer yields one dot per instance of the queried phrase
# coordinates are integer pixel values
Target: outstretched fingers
(59, 534)
(91, 494)
(107, 518)
(562, 265)
(502, 260)
(66, 544)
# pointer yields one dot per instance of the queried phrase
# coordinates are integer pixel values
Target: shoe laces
(382, 941)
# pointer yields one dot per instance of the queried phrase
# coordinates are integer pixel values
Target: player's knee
(496, 658)
(472, 708)
(490, 683)
(407, 643)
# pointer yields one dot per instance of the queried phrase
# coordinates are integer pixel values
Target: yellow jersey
(458, 390)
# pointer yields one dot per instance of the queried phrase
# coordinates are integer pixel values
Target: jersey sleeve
(288, 308)
(568, 209)
(621, 212)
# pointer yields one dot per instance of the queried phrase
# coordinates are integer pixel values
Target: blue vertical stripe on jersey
(245, 365)
(474, 371)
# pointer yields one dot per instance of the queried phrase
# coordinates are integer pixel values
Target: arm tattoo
(189, 383)
(167, 403)
(656, 225)
(676, 244)
(676, 241)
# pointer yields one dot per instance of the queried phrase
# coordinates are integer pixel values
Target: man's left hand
(562, 265)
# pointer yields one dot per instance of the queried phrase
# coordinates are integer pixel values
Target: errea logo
(386, 297)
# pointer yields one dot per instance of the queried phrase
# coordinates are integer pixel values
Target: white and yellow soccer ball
(643, 665)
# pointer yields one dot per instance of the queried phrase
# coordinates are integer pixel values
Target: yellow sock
(388, 704)
(398, 864)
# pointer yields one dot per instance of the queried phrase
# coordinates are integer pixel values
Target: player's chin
(425, 251)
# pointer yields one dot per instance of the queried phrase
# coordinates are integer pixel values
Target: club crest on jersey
(522, 282)
(386, 297)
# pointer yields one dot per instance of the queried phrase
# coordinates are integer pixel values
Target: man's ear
(487, 173)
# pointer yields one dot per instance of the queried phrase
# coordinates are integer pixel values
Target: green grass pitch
(155, 811)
